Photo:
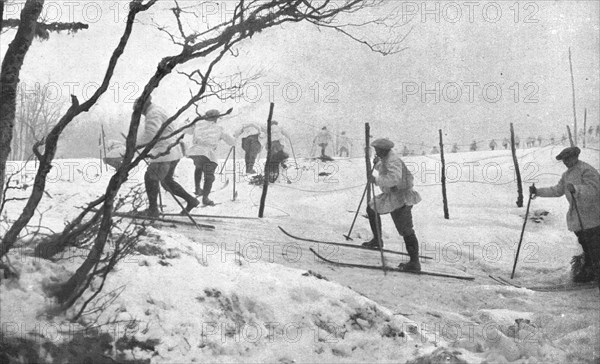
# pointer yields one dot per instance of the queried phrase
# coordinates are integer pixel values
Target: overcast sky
(475, 48)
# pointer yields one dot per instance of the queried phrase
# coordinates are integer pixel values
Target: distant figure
(207, 135)
(563, 139)
(250, 134)
(539, 139)
(435, 150)
(473, 146)
(552, 140)
(580, 184)
(493, 144)
(344, 144)
(597, 131)
(115, 153)
(405, 151)
(454, 148)
(323, 139)
(517, 141)
(530, 142)
(505, 143)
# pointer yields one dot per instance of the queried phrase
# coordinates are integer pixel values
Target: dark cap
(383, 143)
(568, 153)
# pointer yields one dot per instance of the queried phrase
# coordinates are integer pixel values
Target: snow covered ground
(245, 292)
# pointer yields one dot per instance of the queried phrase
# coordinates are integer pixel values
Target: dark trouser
(252, 147)
(402, 218)
(344, 150)
(161, 173)
(277, 159)
(590, 242)
(323, 147)
(276, 147)
(206, 166)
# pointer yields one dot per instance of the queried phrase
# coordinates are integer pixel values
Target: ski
(213, 205)
(390, 269)
(213, 216)
(547, 288)
(345, 244)
(134, 216)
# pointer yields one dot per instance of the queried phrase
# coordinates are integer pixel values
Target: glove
(532, 190)
(375, 160)
(372, 179)
(570, 188)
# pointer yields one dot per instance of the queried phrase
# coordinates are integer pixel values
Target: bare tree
(28, 27)
(35, 116)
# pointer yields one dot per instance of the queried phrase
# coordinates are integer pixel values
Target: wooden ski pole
(226, 159)
(521, 238)
(577, 210)
(234, 174)
(358, 209)
(293, 154)
(377, 230)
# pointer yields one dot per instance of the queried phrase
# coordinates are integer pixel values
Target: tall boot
(586, 273)
(152, 189)
(209, 178)
(375, 222)
(412, 247)
(197, 178)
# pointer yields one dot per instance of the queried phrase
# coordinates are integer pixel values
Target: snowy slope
(241, 293)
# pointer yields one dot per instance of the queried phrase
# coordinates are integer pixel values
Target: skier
(473, 146)
(493, 144)
(505, 143)
(397, 198)
(278, 154)
(454, 148)
(581, 186)
(405, 151)
(344, 145)
(114, 154)
(323, 139)
(435, 150)
(207, 135)
(250, 134)
(166, 156)
(517, 141)
(539, 139)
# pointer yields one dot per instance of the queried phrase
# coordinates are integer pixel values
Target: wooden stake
(570, 136)
(444, 197)
(584, 125)
(263, 197)
(516, 163)
(573, 89)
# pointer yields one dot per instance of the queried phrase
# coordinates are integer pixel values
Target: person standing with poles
(206, 137)
(165, 157)
(278, 155)
(580, 184)
(397, 198)
(250, 134)
(344, 145)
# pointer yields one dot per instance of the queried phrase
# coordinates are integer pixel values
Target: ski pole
(577, 210)
(234, 174)
(226, 159)
(358, 208)
(377, 230)
(293, 154)
(522, 232)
